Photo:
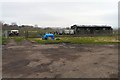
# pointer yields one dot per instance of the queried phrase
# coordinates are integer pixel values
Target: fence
(39, 34)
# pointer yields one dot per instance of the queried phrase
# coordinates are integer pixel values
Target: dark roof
(90, 26)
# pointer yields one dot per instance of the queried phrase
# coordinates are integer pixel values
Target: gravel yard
(32, 60)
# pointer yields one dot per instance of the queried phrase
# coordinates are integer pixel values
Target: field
(69, 39)
(65, 57)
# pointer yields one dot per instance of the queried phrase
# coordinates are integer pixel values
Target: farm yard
(64, 57)
(59, 39)
(76, 52)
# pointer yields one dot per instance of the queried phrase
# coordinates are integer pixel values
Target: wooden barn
(92, 30)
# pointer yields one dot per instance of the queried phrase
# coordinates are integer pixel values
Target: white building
(69, 31)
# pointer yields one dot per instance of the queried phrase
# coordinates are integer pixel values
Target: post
(26, 34)
(6, 34)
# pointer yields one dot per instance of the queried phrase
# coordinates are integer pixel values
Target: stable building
(92, 30)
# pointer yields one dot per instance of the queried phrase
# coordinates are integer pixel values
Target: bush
(3, 40)
(19, 39)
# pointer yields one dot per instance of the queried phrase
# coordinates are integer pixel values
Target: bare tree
(14, 24)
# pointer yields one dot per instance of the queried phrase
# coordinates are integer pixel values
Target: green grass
(18, 39)
(0, 39)
(80, 40)
(3, 40)
(38, 40)
(70, 39)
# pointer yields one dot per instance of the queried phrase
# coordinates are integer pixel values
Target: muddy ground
(32, 60)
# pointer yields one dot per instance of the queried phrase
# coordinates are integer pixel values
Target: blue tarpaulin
(48, 35)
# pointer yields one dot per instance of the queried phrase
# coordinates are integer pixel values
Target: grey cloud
(59, 13)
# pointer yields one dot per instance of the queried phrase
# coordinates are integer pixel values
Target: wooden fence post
(6, 34)
(26, 34)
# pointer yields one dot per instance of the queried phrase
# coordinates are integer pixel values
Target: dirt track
(31, 60)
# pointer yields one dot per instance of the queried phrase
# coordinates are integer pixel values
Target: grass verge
(79, 40)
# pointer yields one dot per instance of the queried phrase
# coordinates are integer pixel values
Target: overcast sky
(60, 13)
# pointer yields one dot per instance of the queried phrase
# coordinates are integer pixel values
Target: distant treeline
(15, 26)
(23, 28)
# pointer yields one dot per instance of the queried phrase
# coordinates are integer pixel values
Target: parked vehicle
(69, 31)
(14, 33)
